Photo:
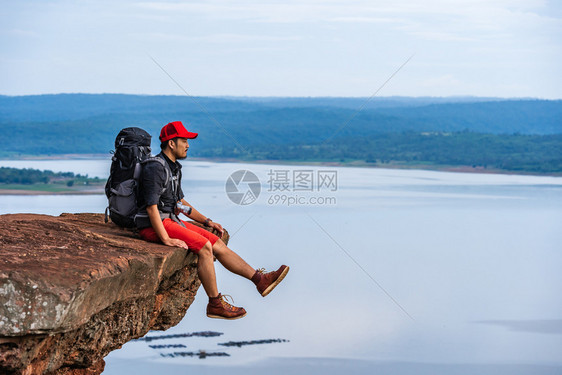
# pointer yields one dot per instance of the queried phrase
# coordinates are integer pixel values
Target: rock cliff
(73, 288)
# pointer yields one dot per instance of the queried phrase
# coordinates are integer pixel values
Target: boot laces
(261, 270)
(224, 301)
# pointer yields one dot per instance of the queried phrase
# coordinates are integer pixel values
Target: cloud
(22, 33)
(549, 326)
(438, 20)
(216, 38)
(446, 80)
(444, 36)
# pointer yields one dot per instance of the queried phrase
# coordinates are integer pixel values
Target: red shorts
(195, 237)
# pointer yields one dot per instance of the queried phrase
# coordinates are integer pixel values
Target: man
(157, 221)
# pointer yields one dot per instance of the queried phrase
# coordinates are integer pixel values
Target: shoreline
(33, 191)
(59, 157)
(351, 164)
(46, 192)
(361, 164)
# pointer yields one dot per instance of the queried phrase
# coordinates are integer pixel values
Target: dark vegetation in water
(167, 346)
(201, 354)
(240, 344)
(181, 335)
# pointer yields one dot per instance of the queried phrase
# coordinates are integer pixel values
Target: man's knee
(206, 250)
(219, 247)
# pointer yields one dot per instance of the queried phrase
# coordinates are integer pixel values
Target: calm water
(397, 272)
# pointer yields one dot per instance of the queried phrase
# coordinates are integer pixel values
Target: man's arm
(156, 221)
(200, 218)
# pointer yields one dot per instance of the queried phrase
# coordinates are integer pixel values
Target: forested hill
(320, 129)
(390, 114)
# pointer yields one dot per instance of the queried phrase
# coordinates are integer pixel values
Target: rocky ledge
(73, 288)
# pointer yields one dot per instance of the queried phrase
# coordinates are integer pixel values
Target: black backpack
(132, 149)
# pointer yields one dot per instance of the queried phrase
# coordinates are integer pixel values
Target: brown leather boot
(266, 282)
(218, 308)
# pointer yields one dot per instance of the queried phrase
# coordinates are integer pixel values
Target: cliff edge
(73, 288)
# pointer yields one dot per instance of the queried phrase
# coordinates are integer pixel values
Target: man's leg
(195, 239)
(217, 307)
(202, 246)
(232, 261)
(228, 258)
(209, 246)
(265, 282)
(206, 270)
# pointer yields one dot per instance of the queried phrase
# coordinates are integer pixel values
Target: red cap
(175, 129)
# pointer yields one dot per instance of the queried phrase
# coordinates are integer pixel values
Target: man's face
(180, 151)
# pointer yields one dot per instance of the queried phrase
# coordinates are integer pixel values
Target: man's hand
(175, 243)
(217, 226)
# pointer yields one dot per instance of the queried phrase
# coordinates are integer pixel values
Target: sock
(256, 278)
(215, 299)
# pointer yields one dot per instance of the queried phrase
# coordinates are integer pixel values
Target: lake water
(392, 271)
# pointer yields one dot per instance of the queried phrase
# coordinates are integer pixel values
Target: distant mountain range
(239, 126)
(388, 114)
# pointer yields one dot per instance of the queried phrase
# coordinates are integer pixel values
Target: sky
(499, 48)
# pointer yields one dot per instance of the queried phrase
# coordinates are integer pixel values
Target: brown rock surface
(73, 288)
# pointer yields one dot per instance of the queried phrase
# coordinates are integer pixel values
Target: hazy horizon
(459, 97)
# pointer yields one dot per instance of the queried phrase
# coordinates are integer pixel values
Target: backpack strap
(166, 168)
(175, 185)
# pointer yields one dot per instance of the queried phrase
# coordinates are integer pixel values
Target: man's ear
(171, 144)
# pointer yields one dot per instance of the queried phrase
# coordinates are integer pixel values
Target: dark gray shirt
(152, 182)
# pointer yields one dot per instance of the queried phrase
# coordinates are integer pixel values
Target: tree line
(28, 176)
(515, 152)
